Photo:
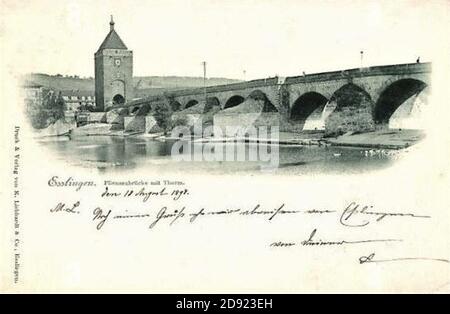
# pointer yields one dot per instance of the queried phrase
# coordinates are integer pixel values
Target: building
(113, 71)
(77, 100)
(33, 95)
(36, 98)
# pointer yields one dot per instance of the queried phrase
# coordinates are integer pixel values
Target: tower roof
(112, 40)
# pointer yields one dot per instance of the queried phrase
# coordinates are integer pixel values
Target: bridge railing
(227, 87)
(209, 89)
(407, 68)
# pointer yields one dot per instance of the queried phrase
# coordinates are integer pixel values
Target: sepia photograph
(216, 139)
(357, 115)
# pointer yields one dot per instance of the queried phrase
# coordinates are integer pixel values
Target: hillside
(58, 82)
(142, 84)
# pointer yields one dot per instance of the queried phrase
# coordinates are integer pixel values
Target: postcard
(225, 146)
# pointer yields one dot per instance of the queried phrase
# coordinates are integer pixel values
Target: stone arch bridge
(382, 89)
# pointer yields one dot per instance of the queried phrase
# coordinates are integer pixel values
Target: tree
(180, 121)
(48, 100)
(58, 107)
(175, 105)
(163, 115)
(39, 119)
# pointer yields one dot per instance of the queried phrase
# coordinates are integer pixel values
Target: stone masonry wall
(232, 124)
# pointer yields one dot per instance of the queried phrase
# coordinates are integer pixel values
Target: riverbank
(283, 138)
(381, 139)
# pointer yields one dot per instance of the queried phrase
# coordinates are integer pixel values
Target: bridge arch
(134, 110)
(118, 100)
(143, 110)
(212, 104)
(190, 103)
(306, 104)
(350, 95)
(118, 92)
(349, 109)
(259, 95)
(175, 105)
(393, 96)
(234, 101)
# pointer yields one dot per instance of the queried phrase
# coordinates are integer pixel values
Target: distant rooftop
(77, 92)
(31, 85)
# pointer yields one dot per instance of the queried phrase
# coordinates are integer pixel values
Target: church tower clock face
(117, 62)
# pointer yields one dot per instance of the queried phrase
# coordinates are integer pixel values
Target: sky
(263, 38)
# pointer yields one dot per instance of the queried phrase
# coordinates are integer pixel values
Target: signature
(314, 241)
(319, 242)
(371, 259)
(351, 216)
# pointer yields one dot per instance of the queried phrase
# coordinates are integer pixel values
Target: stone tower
(113, 71)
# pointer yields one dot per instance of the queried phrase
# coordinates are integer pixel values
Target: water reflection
(108, 153)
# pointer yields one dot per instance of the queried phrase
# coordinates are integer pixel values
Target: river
(109, 154)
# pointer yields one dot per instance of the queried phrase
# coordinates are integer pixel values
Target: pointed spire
(111, 24)
(112, 40)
